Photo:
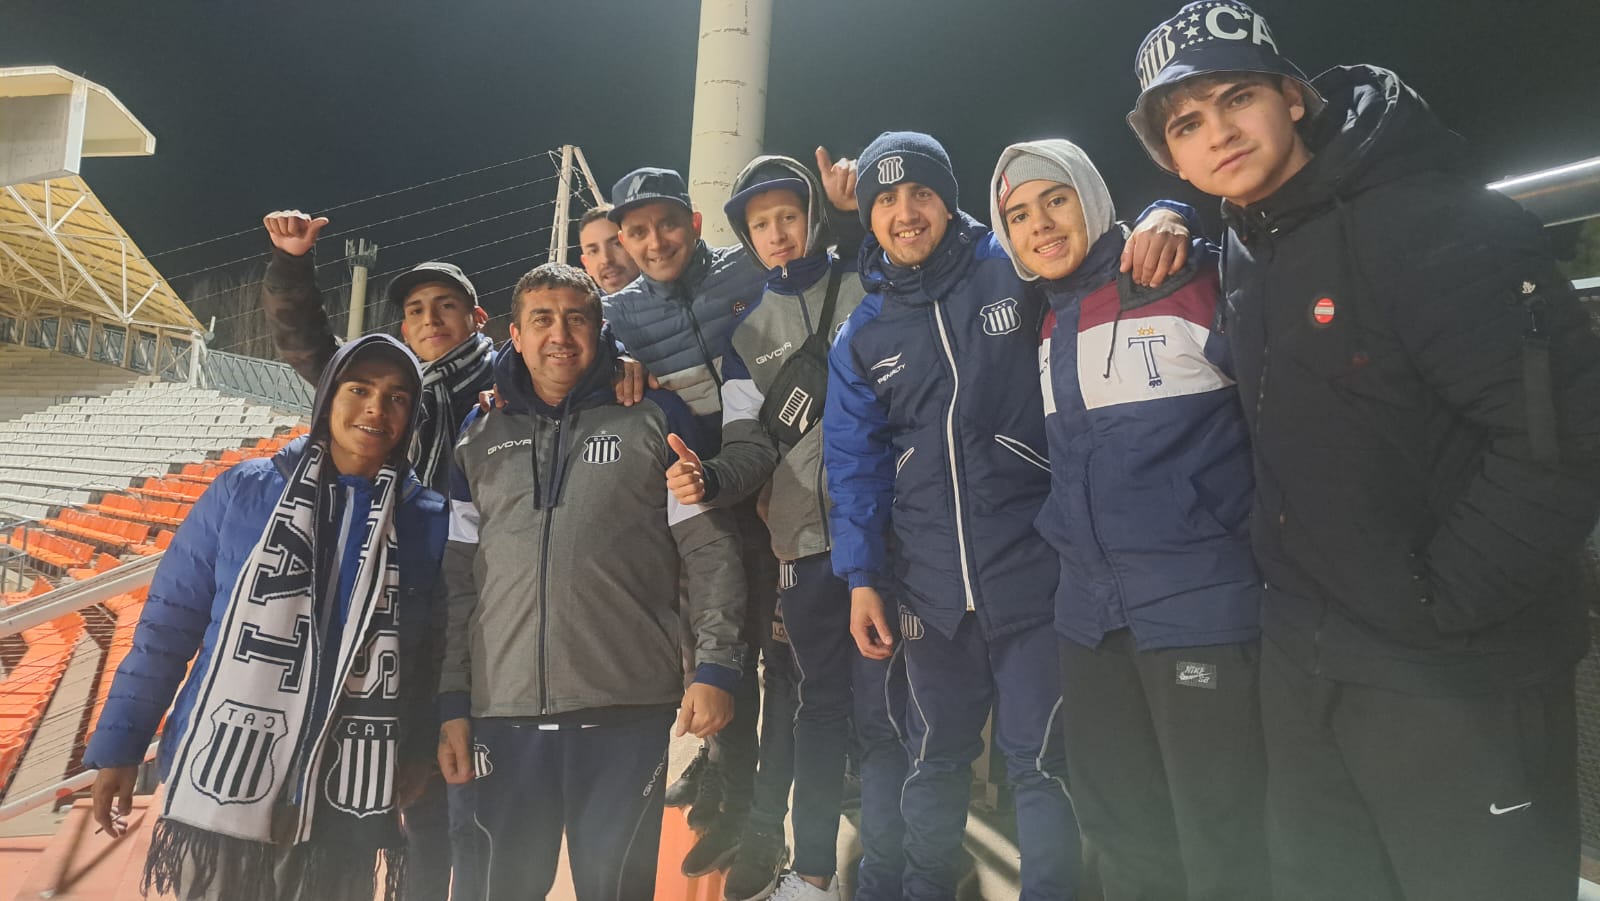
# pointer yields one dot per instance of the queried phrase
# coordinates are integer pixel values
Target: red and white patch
(1322, 311)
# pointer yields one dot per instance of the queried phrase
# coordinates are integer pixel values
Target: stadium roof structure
(61, 250)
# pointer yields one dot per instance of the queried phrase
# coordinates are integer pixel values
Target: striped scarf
(443, 381)
(290, 753)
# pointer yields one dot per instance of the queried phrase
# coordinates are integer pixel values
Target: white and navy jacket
(1149, 455)
(934, 428)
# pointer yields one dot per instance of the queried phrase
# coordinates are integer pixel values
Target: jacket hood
(1099, 213)
(347, 354)
(761, 170)
(1373, 130)
(949, 261)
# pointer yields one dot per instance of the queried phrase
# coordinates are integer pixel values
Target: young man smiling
(1158, 604)
(602, 254)
(301, 588)
(1424, 395)
(775, 380)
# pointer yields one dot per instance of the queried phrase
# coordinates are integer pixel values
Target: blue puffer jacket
(189, 598)
(679, 329)
(934, 425)
(1150, 458)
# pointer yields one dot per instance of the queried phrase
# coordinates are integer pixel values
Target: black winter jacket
(1383, 310)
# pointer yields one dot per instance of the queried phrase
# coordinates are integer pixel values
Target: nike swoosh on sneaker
(1495, 810)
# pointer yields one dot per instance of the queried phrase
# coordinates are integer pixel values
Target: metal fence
(267, 381)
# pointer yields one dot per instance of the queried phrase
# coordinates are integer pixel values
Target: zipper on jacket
(544, 586)
(950, 447)
(822, 504)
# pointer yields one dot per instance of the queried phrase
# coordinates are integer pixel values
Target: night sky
(260, 105)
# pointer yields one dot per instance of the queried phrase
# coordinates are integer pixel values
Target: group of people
(1310, 636)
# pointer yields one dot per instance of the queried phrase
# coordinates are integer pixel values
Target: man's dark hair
(593, 214)
(1165, 104)
(556, 275)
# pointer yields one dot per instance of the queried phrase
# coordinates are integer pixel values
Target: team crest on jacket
(1147, 340)
(235, 765)
(602, 449)
(910, 625)
(1000, 317)
(739, 306)
(361, 780)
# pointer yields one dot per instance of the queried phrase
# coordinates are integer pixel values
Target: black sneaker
(681, 793)
(715, 850)
(762, 857)
(706, 808)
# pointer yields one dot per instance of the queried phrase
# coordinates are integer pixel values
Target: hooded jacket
(301, 336)
(1386, 313)
(189, 594)
(766, 335)
(934, 428)
(680, 329)
(1149, 454)
(548, 614)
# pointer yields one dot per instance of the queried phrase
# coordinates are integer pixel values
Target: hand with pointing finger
(838, 179)
(686, 479)
(292, 231)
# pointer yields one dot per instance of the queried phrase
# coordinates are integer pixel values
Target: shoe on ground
(792, 888)
(755, 871)
(715, 850)
(682, 792)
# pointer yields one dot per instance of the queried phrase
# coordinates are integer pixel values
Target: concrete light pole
(730, 103)
(362, 256)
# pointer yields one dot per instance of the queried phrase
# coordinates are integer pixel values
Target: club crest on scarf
(235, 765)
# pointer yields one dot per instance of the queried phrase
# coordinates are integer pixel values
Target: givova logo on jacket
(1001, 317)
(602, 449)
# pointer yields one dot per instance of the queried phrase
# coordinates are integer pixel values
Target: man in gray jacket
(566, 653)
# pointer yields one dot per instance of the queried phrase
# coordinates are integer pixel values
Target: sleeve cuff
(863, 579)
(717, 676)
(454, 705)
(713, 483)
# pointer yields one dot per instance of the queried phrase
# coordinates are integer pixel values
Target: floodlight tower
(730, 103)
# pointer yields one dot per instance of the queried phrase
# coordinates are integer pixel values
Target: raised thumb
(681, 449)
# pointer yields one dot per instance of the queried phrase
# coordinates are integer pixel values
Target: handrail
(39, 797)
(71, 598)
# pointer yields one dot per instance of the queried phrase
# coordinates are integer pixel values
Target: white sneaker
(792, 888)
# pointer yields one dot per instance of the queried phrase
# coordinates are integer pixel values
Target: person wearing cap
(775, 379)
(301, 589)
(601, 253)
(676, 320)
(1423, 391)
(561, 665)
(1158, 607)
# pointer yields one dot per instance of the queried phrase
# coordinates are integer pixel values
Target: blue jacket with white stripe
(934, 428)
(1150, 458)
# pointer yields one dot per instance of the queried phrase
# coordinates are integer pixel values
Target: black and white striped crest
(787, 577)
(481, 765)
(235, 765)
(910, 625)
(1000, 317)
(361, 780)
(602, 449)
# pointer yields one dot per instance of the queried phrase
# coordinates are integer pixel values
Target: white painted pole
(363, 256)
(558, 234)
(730, 104)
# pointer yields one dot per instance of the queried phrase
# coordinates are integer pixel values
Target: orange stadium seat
(102, 563)
(51, 550)
(28, 687)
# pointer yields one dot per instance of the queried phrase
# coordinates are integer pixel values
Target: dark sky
(259, 105)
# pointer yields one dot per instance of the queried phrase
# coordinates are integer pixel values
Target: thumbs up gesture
(686, 479)
(292, 231)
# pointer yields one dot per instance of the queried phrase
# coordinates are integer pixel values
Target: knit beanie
(895, 157)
